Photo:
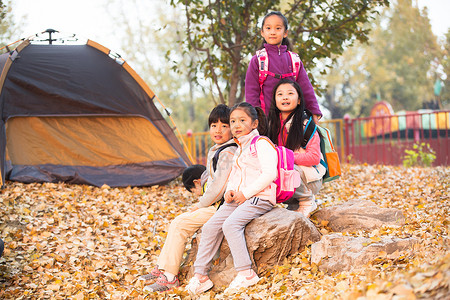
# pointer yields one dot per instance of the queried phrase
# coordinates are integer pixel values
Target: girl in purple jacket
(280, 65)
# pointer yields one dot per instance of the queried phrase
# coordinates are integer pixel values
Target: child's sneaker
(241, 281)
(319, 201)
(154, 274)
(162, 284)
(307, 208)
(195, 287)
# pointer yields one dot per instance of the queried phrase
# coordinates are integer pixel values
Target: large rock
(359, 215)
(270, 239)
(336, 253)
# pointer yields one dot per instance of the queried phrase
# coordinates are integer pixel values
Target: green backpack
(330, 156)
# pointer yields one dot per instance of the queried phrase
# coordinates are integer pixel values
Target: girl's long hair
(295, 135)
(285, 41)
(255, 113)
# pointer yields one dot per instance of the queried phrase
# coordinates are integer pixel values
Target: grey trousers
(229, 221)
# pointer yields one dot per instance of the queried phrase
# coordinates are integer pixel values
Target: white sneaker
(241, 281)
(319, 201)
(195, 287)
(307, 208)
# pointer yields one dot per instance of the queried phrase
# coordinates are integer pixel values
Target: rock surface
(270, 239)
(335, 252)
(281, 233)
(359, 215)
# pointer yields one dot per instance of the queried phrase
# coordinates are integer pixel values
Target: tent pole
(21, 40)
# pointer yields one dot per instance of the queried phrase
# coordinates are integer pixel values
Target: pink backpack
(288, 179)
(263, 64)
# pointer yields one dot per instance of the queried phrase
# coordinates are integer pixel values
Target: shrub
(421, 155)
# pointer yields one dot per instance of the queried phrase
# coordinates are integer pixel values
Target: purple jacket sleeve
(252, 90)
(308, 92)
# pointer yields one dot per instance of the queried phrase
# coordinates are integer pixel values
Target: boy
(192, 179)
(186, 224)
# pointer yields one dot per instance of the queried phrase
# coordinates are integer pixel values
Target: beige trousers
(180, 229)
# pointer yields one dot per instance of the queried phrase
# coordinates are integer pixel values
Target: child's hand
(193, 208)
(239, 198)
(229, 196)
(316, 119)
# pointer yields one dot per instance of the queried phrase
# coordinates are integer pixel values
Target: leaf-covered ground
(81, 242)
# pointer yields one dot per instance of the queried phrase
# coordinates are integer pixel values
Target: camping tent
(78, 114)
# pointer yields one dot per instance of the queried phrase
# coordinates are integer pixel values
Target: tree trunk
(235, 77)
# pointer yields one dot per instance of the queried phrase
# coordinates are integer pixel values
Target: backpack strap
(263, 66)
(253, 144)
(322, 161)
(263, 60)
(308, 132)
(295, 58)
(215, 159)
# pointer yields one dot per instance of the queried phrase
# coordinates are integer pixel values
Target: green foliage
(150, 46)
(421, 155)
(396, 65)
(445, 94)
(8, 27)
(413, 49)
(225, 34)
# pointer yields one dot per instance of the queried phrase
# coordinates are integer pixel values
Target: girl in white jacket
(250, 193)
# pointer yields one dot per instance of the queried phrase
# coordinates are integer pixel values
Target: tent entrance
(86, 141)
